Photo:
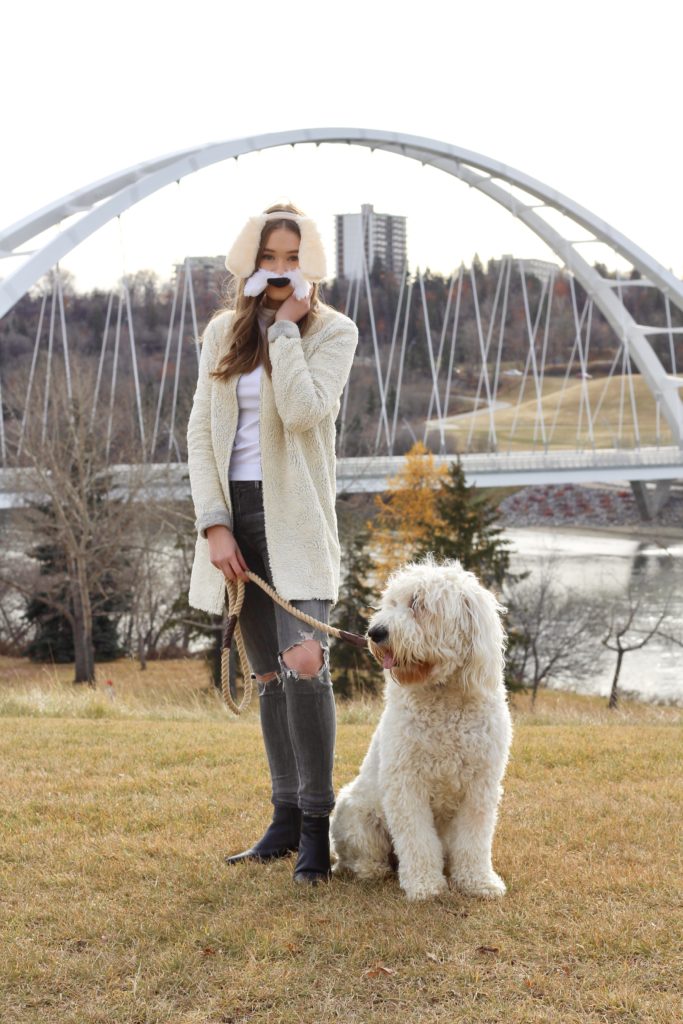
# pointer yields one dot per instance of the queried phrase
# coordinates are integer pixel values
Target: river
(602, 566)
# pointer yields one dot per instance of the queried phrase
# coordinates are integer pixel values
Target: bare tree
(630, 624)
(75, 503)
(552, 630)
(13, 628)
(160, 572)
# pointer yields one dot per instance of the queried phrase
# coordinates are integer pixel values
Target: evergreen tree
(53, 639)
(356, 671)
(467, 529)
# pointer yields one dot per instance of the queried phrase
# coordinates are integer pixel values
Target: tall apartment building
(382, 235)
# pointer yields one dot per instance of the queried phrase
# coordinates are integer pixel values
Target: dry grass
(179, 689)
(116, 906)
(561, 416)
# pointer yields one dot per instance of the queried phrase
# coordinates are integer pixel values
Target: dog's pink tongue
(389, 660)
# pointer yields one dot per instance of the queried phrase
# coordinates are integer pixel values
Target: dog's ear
(483, 666)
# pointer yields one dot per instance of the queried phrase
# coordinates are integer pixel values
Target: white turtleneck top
(245, 460)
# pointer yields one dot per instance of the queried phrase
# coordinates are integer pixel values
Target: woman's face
(281, 253)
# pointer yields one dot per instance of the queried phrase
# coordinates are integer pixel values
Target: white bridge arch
(103, 200)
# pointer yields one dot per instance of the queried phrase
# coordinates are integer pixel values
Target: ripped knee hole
(306, 657)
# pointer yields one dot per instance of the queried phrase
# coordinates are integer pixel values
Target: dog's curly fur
(430, 783)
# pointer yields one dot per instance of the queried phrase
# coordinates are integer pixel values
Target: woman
(261, 456)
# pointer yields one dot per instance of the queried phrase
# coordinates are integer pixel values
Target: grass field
(116, 906)
(520, 428)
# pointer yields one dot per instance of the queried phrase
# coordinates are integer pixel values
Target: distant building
(207, 271)
(382, 235)
(542, 270)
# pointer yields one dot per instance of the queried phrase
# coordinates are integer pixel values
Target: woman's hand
(293, 309)
(225, 554)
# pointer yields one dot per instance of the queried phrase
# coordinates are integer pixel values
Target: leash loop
(234, 600)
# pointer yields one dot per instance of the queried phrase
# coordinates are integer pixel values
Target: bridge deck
(371, 474)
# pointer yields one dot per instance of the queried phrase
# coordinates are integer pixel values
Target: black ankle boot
(280, 838)
(313, 862)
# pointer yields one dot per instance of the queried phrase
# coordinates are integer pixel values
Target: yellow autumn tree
(406, 513)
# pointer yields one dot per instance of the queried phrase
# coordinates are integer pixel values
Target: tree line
(152, 301)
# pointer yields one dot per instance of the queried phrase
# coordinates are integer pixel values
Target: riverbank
(601, 507)
(617, 568)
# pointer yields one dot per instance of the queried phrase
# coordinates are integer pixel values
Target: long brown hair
(248, 348)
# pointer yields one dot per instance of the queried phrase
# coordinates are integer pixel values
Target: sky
(583, 96)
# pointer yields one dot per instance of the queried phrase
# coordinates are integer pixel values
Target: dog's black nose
(378, 634)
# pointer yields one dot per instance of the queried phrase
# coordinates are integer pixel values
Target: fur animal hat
(241, 260)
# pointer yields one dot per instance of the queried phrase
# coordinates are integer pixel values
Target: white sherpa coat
(298, 411)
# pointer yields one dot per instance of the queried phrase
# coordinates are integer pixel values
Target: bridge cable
(532, 344)
(442, 338)
(345, 402)
(103, 350)
(164, 369)
(585, 374)
(179, 352)
(432, 366)
(454, 332)
(570, 363)
(193, 311)
(623, 352)
(584, 399)
(401, 362)
(530, 357)
(484, 352)
(114, 371)
(503, 318)
(672, 350)
(634, 409)
(134, 359)
(605, 388)
(375, 344)
(394, 334)
(31, 374)
(544, 354)
(48, 371)
(65, 341)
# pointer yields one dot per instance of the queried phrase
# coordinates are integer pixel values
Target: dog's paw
(366, 871)
(490, 888)
(424, 889)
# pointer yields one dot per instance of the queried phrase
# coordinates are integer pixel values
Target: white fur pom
(257, 282)
(302, 287)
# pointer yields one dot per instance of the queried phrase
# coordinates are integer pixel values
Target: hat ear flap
(241, 260)
(311, 252)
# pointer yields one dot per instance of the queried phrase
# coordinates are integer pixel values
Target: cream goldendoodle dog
(429, 786)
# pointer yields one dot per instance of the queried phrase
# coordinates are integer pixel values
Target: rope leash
(235, 600)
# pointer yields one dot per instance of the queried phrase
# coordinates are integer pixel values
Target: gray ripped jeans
(297, 712)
